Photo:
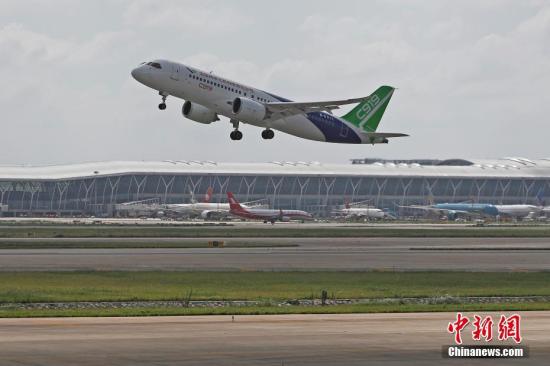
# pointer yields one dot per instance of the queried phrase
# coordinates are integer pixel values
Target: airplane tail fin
(233, 203)
(208, 195)
(368, 114)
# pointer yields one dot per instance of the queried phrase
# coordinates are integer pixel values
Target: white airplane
(208, 96)
(368, 212)
(204, 209)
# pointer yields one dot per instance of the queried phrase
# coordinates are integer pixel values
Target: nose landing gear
(268, 134)
(162, 105)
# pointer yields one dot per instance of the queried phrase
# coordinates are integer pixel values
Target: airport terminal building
(97, 188)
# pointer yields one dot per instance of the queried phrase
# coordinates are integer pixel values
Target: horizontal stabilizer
(384, 134)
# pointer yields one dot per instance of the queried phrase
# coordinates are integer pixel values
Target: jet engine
(207, 215)
(249, 110)
(198, 113)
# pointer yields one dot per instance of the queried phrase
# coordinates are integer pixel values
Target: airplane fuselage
(198, 207)
(518, 211)
(272, 215)
(375, 213)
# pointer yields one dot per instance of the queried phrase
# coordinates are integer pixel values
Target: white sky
(473, 76)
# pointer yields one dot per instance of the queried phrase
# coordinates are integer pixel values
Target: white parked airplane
(351, 212)
(204, 209)
(207, 96)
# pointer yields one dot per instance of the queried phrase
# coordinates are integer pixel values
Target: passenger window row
(234, 90)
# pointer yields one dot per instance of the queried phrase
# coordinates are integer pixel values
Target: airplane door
(175, 75)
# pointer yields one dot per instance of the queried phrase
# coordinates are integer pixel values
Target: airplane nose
(140, 74)
(135, 73)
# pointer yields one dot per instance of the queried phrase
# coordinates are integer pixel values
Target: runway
(479, 254)
(339, 339)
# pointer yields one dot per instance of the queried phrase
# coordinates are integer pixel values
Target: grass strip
(268, 286)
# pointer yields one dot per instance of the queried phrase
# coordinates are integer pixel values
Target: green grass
(159, 285)
(264, 310)
(310, 230)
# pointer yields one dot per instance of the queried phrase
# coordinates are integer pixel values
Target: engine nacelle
(198, 113)
(249, 110)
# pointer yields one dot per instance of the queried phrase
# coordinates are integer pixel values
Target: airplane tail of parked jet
(234, 205)
(208, 195)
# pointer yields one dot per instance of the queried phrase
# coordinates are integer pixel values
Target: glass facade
(318, 194)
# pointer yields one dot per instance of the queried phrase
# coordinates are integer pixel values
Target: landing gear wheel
(236, 135)
(268, 134)
(162, 105)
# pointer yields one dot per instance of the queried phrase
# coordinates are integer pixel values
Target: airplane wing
(286, 109)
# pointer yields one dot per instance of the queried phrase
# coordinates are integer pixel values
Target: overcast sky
(473, 77)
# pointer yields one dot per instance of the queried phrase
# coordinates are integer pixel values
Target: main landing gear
(162, 105)
(235, 134)
(268, 134)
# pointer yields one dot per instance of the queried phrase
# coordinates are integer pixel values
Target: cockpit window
(156, 65)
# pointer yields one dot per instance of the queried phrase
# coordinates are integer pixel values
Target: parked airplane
(265, 214)
(204, 209)
(208, 96)
(454, 210)
(351, 212)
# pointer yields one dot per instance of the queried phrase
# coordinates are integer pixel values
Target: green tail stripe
(368, 114)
